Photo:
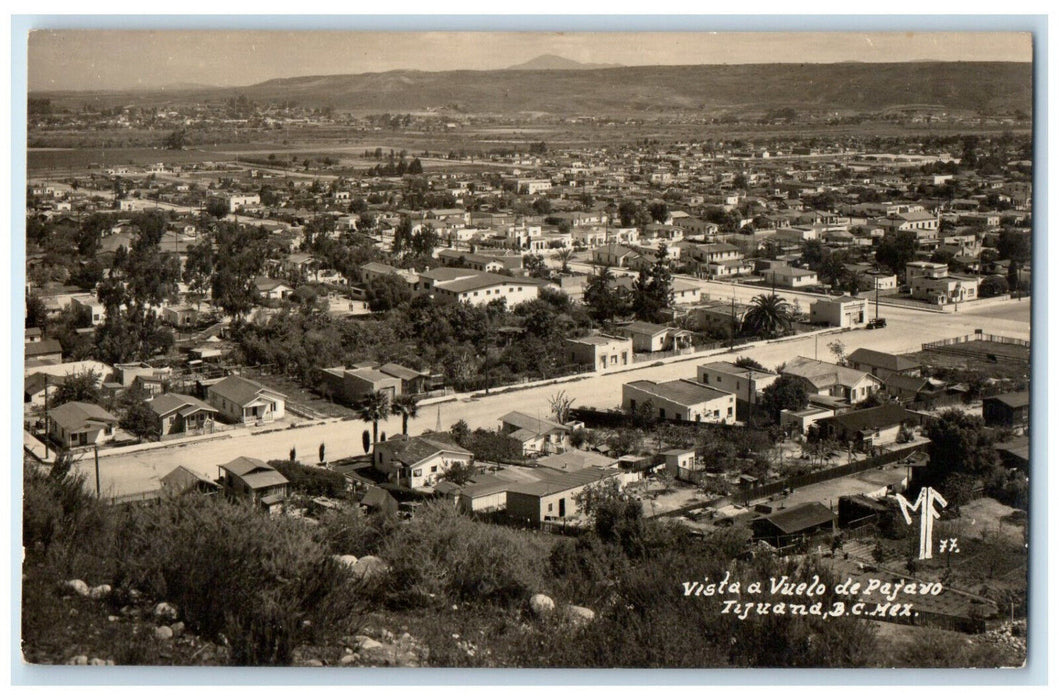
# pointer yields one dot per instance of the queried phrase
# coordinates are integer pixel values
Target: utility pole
(876, 298)
(46, 455)
(750, 399)
(96, 450)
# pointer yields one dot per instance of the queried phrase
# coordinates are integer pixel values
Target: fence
(793, 482)
(987, 337)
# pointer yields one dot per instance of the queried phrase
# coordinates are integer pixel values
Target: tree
(82, 386)
(217, 207)
(748, 363)
(659, 211)
(769, 315)
(137, 416)
(460, 433)
(896, 250)
(564, 256)
(992, 286)
(373, 408)
(408, 407)
(786, 393)
(535, 266)
(36, 312)
(600, 295)
(838, 349)
(387, 292)
(959, 444)
(560, 404)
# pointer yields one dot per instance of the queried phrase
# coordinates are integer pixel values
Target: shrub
(445, 553)
(261, 582)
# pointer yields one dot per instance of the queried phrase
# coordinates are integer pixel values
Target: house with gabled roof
(418, 462)
(181, 481)
(883, 364)
(180, 413)
(79, 424)
(536, 434)
(829, 379)
(553, 497)
(242, 400)
(254, 480)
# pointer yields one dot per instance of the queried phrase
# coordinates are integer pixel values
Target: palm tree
(408, 407)
(373, 408)
(564, 256)
(769, 315)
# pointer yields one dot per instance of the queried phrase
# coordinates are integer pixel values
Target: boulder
(541, 604)
(347, 560)
(165, 611)
(99, 592)
(349, 659)
(78, 586)
(163, 633)
(81, 660)
(367, 644)
(178, 628)
(369, 567)
(578, 615)
(97, 662)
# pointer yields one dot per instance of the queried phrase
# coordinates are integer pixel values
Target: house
(554, 497)
(1007, 410)
(179, 315)
(179, 413)
(251, 479)
(182, 482)
(537, 435)
(790, 277)
(741, 381)
(882, 364)
(242, 201)
(679, 461)
(599, 351)
(79, 424)
(348, 386)
(44, 351)
(790, 524)
(472, 261)
(614, 255)
(652, 337)
(680, 399)
(870, 427)
(242, 400)
(411, 381)
(846, 383)
(840, 312)
(485, 493)
(1015, 453)
(478, 288)
(418, 462)
(799, 422)
(150, 380)
(573, 460)
(271, 289)
(34, 335)
(89, 305)
(951, 289)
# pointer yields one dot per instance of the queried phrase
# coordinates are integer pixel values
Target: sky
(118, 60)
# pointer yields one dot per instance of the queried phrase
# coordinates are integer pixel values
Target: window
(434, 470)
(550, 507)
(417, 472)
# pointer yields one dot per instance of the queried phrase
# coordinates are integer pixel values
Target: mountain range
(986, 87)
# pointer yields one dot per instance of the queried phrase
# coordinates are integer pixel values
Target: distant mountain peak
(550, 61)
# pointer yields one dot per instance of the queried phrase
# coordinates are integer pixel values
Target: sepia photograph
(526, 350)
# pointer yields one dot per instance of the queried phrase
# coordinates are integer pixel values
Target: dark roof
(240, 390)
(883, 416)
(560, 481)
(167, 403)
(882, 360)
(410, 451)
(77, 415)
(803, 517)
(1015, 399)
(45, 346)
(255, 473)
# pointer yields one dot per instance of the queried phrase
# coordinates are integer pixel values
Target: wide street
(906, 330)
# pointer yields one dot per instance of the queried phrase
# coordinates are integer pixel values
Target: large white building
(681, 399)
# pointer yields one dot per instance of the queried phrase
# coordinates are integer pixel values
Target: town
(756, 342)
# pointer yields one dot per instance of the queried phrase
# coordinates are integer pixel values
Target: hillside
(985, 87)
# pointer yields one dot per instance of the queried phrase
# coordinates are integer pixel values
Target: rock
(97, 662)
(112, 618)
(165, 611)
(349, 659)
(314, 662)
(163, 633)
(578, 615)
(379, 655)
(369, 567)
(78, 586)
(81, 660)
(178, 629)
(347, 560)
(367, 644)
(387, 636)
(541, 604)
(99, 592)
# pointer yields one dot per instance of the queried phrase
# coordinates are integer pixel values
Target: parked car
(877, 323)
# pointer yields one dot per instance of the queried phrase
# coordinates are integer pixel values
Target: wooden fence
(987, 337)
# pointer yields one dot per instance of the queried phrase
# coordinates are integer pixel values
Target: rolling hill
(988, 87)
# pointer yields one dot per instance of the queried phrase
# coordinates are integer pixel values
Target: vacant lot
(998, 360)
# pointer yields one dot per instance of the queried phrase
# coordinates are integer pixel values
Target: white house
(681, 399)
(243, 400)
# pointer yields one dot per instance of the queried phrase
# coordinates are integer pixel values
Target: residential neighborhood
(581, 340)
